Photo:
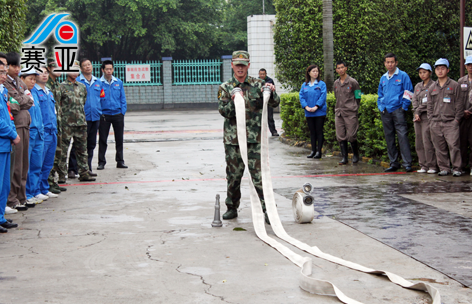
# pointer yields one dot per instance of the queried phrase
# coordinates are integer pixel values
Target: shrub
(370, 135)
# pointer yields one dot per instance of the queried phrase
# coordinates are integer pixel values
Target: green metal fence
(120, 72)
(189, 72)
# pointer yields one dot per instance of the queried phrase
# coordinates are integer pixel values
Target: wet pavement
(434, 236)
(144, 235)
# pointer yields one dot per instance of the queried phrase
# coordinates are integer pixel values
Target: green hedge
(370, 135)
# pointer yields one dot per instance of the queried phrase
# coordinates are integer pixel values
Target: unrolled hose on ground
(306, 282)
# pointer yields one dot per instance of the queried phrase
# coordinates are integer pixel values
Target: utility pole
(263, 7)
(462, 25)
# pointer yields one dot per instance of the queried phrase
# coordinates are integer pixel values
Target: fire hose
(306, 210)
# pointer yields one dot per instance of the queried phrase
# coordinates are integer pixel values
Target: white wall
(260, 40)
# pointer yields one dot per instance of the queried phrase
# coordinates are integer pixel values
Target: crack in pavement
(207, 290)
(92, 244)
(148, 254)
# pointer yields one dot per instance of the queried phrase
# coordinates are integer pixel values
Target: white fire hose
(307, 282)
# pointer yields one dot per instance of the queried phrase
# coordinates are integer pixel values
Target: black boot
(355, 151)
(311, 154)
(230, 214)
(343, 145)
(318, 150)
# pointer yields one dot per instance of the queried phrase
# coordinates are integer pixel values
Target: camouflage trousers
(57, 158)
(235, 171)
(79, 134)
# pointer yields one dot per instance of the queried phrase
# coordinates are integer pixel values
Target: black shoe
(391, 169)
(355, 151)
(101, 167)
(275, 134)
(9, 220)
(30, 205)
(121, 165)
(56, 188)
(21, 207)
(311, 154)
(317, 155)
(266, 218)
(61, 181)
(92, 174)
(8, 225)
(3, 230)
(71, 174)
(230, 214)
(343, 145)
(86, 178)
(408, 169)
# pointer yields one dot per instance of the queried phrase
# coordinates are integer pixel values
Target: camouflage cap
(52, 62)
(240, 57)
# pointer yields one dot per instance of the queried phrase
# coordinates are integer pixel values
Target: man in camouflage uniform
(71, 98)
(252, 93)
(53, 85)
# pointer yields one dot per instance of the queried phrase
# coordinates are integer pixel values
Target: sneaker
(421, 171)
(42, 197)
(9, 210)
(50, 194)
(33, 200)
(71, 174)
(443, 173)
(456, 173)
(37, 200)
(432, 171)
(21, 207)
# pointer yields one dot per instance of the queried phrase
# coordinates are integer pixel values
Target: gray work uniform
(445, 111)
(346, 109)
(423, 143)
(466, 123)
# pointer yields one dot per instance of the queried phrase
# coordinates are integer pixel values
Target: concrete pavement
(144, 235)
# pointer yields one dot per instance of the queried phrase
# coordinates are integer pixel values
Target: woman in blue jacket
(313, 100)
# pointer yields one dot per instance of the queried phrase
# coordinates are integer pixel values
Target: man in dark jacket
(270, 110)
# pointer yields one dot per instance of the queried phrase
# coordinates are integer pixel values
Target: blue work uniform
(7, 134)
(314, 95)
(392, 105)
(36, 146)
(48, 111)
(114, 109)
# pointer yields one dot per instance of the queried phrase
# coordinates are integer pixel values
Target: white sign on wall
(467, 41)
(138, 72)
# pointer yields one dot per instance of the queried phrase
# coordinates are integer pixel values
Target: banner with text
(138, 72)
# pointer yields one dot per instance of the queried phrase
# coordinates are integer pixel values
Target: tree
(234, 24)
(151, 29)
(416, 31)
(328, 43)
(139, 29)
(12, 25)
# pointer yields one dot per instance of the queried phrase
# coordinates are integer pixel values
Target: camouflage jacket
(71, 97)
(251, 88)
(53, 86)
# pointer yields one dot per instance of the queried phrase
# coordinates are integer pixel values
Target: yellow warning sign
(468, 44)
